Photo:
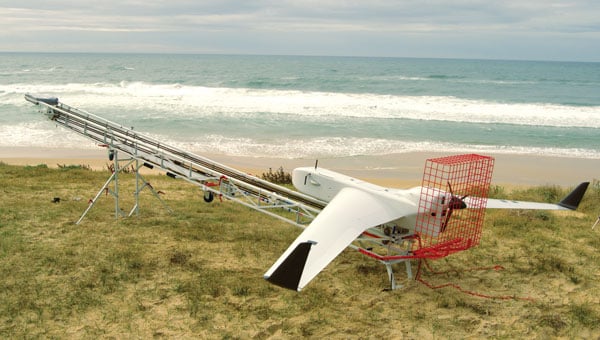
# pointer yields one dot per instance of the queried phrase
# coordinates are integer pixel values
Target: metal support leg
(390, 271)
(116, 192)
(113, 155)
(144, 184)
(136, 194)
(408, 269)
(95, 199)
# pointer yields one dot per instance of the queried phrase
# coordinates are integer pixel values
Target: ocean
(311, 107)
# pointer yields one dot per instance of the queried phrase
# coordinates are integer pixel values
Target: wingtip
(572, 200)
(289, 273)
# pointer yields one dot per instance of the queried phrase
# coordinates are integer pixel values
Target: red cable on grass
(459, 288)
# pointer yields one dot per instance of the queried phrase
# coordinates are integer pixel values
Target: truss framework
(212, 178)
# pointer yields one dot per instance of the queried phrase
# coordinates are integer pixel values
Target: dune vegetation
(197, 272)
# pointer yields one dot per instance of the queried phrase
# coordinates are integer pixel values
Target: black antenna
(316, 163)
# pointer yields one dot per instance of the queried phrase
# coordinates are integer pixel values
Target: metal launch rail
(213, 178)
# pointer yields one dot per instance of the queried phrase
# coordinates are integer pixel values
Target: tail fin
(289, 273)
(574, 198)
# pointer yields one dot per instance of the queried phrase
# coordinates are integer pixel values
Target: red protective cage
(452, 205)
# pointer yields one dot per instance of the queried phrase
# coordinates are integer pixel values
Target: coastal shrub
(39, 166)
(278, 177)
(126, 170)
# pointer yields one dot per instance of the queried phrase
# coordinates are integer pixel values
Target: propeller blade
(455, 202)
(445, 224)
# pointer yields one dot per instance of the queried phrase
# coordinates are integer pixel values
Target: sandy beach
(394, 170)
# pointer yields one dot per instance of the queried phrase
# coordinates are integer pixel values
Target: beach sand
(394, 170)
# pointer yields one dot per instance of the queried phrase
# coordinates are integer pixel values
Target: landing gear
(390, 271)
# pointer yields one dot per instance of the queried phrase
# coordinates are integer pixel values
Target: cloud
(233, 26)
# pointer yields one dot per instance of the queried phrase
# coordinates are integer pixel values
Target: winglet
(288, 274)
(574, 198)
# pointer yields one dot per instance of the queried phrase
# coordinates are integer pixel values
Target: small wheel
(208, 196)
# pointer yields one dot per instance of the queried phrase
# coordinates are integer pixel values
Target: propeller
(455, 203)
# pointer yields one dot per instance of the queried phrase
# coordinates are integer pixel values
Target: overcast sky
(490, 29)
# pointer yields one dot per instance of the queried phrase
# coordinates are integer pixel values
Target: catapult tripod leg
(114, 177)
(95, 199)
(116, 192)
(139, 189)
(136, 207)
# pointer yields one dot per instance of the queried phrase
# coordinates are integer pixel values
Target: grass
(198, 273)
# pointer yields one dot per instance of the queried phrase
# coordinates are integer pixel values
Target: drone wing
(351, 212)
(570, 202)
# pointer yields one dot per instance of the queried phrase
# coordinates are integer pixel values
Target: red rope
(438, 251)
(459, 288)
